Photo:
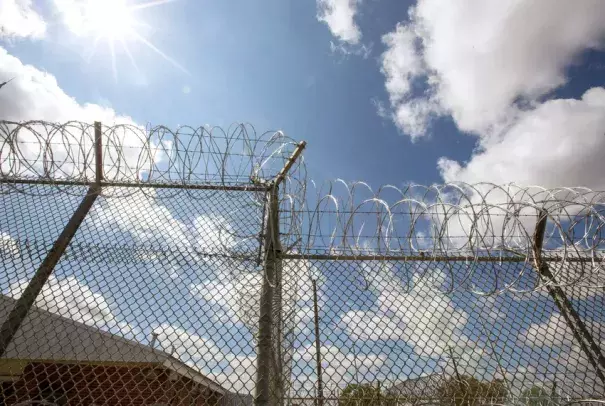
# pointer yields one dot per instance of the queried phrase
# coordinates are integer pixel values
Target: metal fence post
(320, 390)
(28, 297)
(265, 322)
(573, 319)
(269, 386)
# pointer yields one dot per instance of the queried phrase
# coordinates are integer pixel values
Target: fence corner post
(267, 394)
(265, 322)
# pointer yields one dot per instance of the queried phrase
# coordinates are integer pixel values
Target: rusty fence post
(11, 325)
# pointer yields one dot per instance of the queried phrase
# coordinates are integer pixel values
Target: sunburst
(116, 23)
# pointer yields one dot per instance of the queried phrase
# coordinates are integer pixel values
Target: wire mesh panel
(392, 332)
(154, 300)
(153, 297)
(190, 266)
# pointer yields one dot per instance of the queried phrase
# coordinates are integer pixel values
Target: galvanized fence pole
(269, 382)
(265, 322)
(28, 297)
(590, 348)
(320, 389)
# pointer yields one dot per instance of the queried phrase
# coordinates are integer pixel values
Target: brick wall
(81, 384)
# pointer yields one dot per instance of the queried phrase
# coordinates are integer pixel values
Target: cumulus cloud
(75, 15)
(19, 19)
(426, 320)
(70, 298)
(559, 143)
(36, 95)
(236, 293)
(235, 371)
(9, 247)
(340, 367)
(552, 333)
(339, 15)
(479, 59)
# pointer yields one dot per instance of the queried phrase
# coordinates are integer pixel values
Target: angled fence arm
(11, 324)
(581, 334)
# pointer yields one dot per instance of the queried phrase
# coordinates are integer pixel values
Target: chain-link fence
(149, 266)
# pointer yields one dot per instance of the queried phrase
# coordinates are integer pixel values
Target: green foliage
(538, 396)
(364, 395)
(469, 391)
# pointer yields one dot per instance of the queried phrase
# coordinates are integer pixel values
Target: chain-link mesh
(391, 333)
(153, 302)
(190, 267)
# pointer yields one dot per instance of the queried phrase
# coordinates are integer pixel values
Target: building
(58, 360)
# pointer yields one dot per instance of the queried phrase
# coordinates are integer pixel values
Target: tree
(469, 391)
(364, 395)
(538, 396)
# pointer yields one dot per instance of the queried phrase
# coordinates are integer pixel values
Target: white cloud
(9, 247)
(72, 299)
(74, 15)
(559, 143)
(236, 297)
(362, 325)
(401, 62)
(552, 333)
(341, 368)
(236, 372)
(236, 293)
(214, 233)
(339, 15)
(36, 95)
(19, 19)
(479, 59)
(81, 17)
(422, 317)
(147, 220)
(345, 49)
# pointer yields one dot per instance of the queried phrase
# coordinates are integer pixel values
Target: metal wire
(470, 224)
(444, 295)
(64, 153)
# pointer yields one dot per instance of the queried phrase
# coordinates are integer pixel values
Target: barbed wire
(455, 226)
(59, 153)
(196, 202)
(475, 219)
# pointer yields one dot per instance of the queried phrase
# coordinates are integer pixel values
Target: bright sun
(111, 19)
(116, 23)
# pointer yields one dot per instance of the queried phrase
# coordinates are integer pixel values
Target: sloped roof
(45, 336)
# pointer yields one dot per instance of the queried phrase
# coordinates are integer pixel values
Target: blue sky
(273, 65)
(269, 65)
(380, 90)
